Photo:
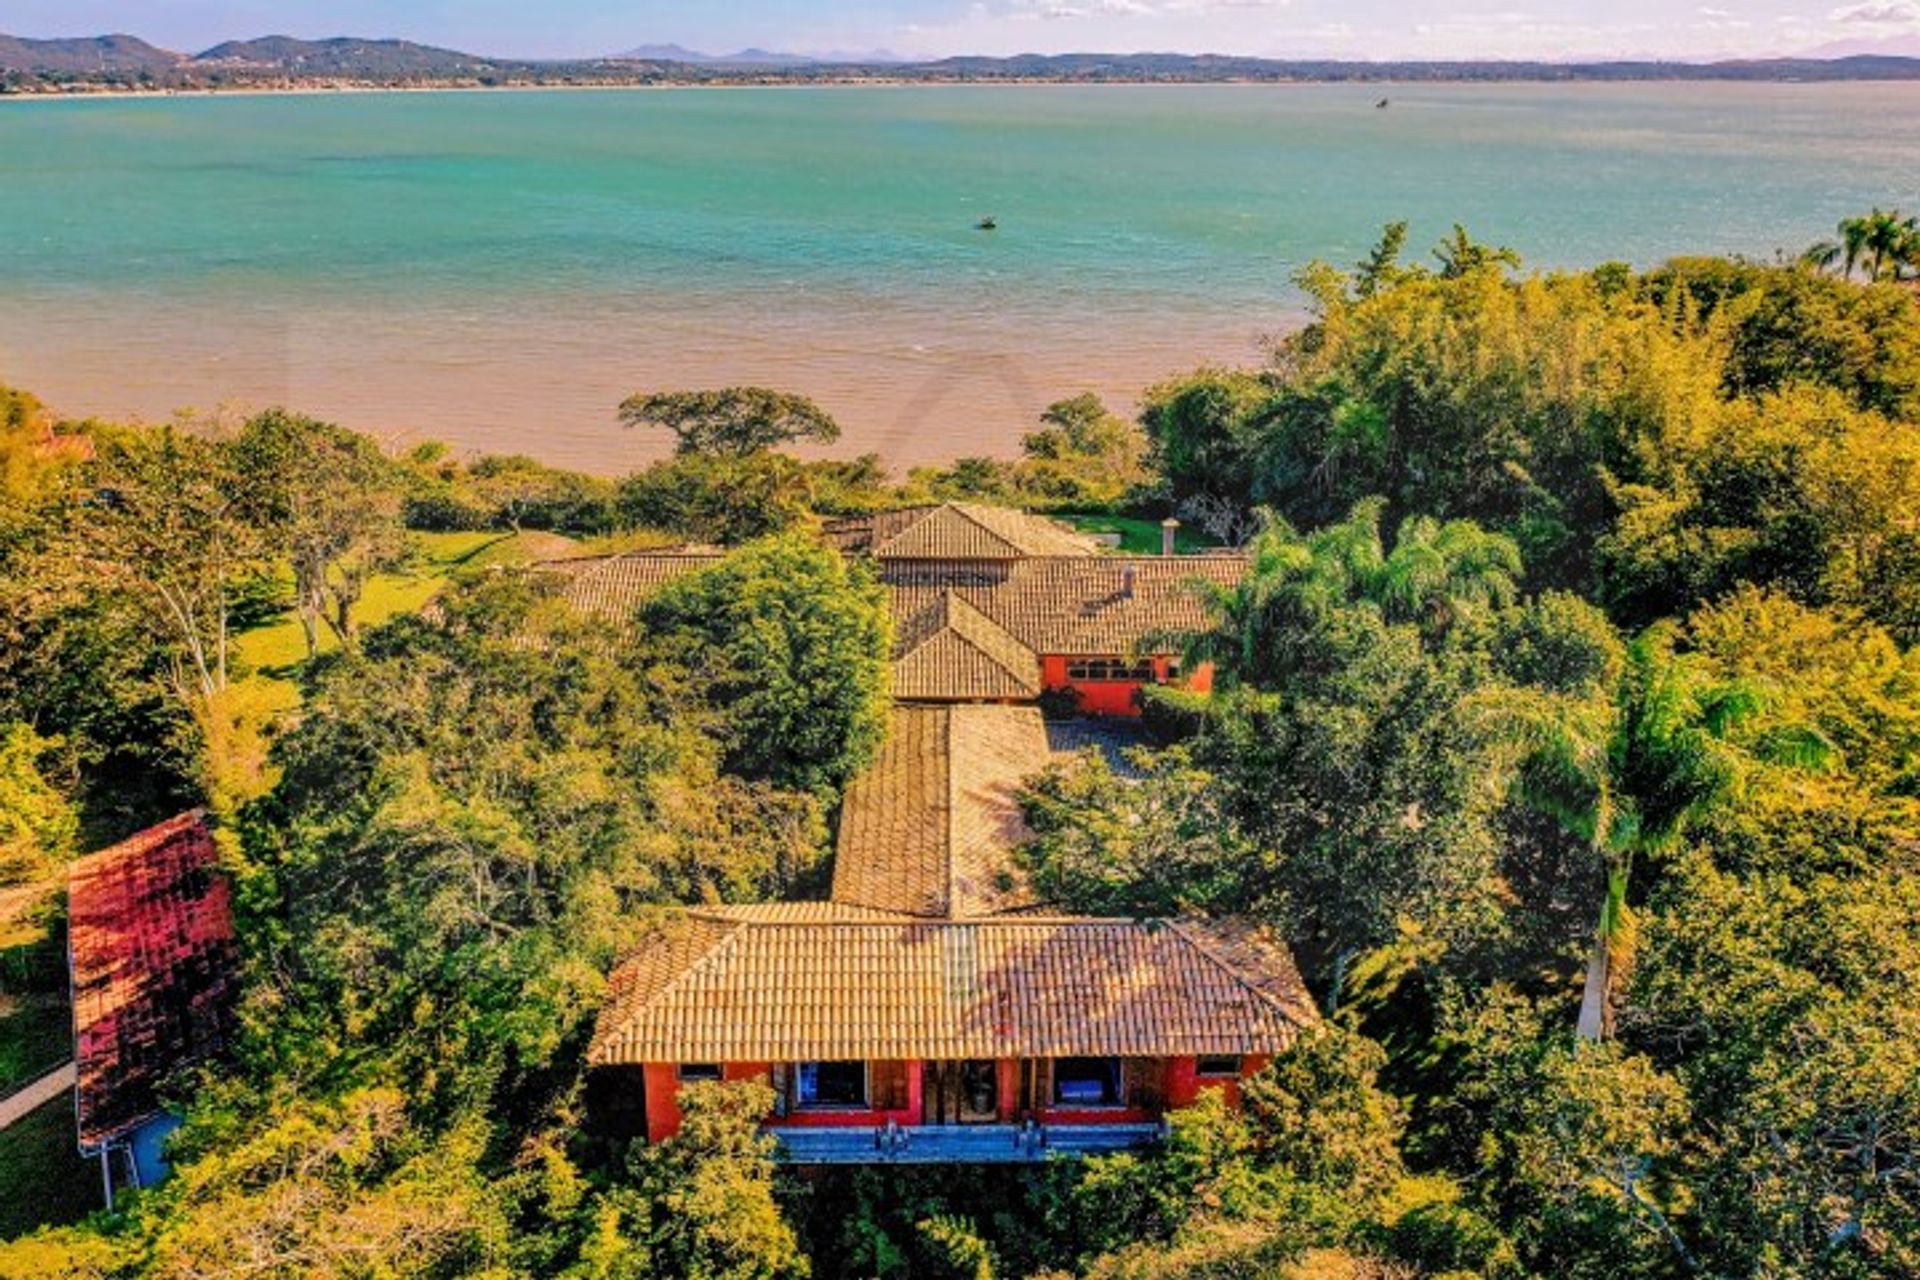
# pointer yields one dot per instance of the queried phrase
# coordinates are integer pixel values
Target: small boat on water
(987, 224)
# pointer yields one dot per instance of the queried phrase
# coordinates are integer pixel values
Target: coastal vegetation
(1566, 725)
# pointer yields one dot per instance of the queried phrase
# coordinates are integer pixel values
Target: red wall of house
(1184, 1081)
(1181, 1084)
(663, 1101)
(1116, 697)
(1009, 1082)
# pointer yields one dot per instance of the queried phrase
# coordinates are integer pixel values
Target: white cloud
(1889, 13)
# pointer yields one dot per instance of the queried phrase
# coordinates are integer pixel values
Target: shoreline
(355, 88)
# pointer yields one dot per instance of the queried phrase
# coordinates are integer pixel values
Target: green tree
(1795, 491)
(169, 526)
(330, 502)
(733, 422)
(961, 1252)
(717, 499)
(1460, 255)
(463, 838)
(1581, 1143)
(791, 644)
(38, 827)
(1083, 454)
(1630, 776)
(1320, 1113)
(703, 1202)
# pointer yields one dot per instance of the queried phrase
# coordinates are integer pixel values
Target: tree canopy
(732, 422)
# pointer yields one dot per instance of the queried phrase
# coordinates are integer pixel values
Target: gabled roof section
(614, 587)
(952, 652)
(150, 942)
(1071, 605)
(931, 827)
(958, 531)
(1044, 987)
(1076, 604)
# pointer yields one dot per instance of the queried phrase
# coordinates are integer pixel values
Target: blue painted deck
(960, 1144)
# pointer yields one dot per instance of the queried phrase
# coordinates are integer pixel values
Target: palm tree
(1437, 573)
(1853, 241)
(1884, 239)
(1822, 256)
(1632, 774)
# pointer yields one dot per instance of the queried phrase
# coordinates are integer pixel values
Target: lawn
(35, 1035)
(43, 1180)
(1137, 537)
(280, 645)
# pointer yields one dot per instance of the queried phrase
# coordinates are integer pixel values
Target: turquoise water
(499, 269)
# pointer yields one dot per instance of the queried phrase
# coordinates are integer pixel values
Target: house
(935, 1009)
(151, 960)
(989, 605)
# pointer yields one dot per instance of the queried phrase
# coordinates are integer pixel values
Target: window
(1096, 670)
(695, 1072)
(1219, 1064)
(831, 1084)
(1087, 1082)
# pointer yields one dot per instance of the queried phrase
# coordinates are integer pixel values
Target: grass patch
(280, 645)
(43, 1180)
(35, 1031)
(1137, 537)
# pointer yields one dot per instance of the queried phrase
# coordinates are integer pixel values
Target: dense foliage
(1567, 725)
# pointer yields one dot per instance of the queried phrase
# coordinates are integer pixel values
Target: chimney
(1127, 576)
(1168, 528)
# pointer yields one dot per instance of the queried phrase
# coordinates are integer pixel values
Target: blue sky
(1371, 28)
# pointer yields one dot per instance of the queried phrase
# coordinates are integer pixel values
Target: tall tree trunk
(1596, 999)
(1593, 998)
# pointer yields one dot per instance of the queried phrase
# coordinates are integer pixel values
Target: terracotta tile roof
(150, 937)
(1071, 604)
(930, 827)
(614, 587)
(957, 531)
(1068, 605)
(952, 652)
(759, 991)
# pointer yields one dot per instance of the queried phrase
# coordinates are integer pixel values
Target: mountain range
(127, 61)
(757, 57)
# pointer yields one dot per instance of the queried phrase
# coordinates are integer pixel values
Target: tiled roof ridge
(158, 834)
(906, 920)
(707, 957)
(965, 512)
(951, 896)
(1188, 928)
(964, 617)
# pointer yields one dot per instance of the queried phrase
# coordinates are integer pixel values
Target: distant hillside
(693, 57)
(343, 56)
(1136, 67)
(1883, 47)
(88, 55)
(122, 61)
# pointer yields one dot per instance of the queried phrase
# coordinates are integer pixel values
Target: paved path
(16, 1106)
